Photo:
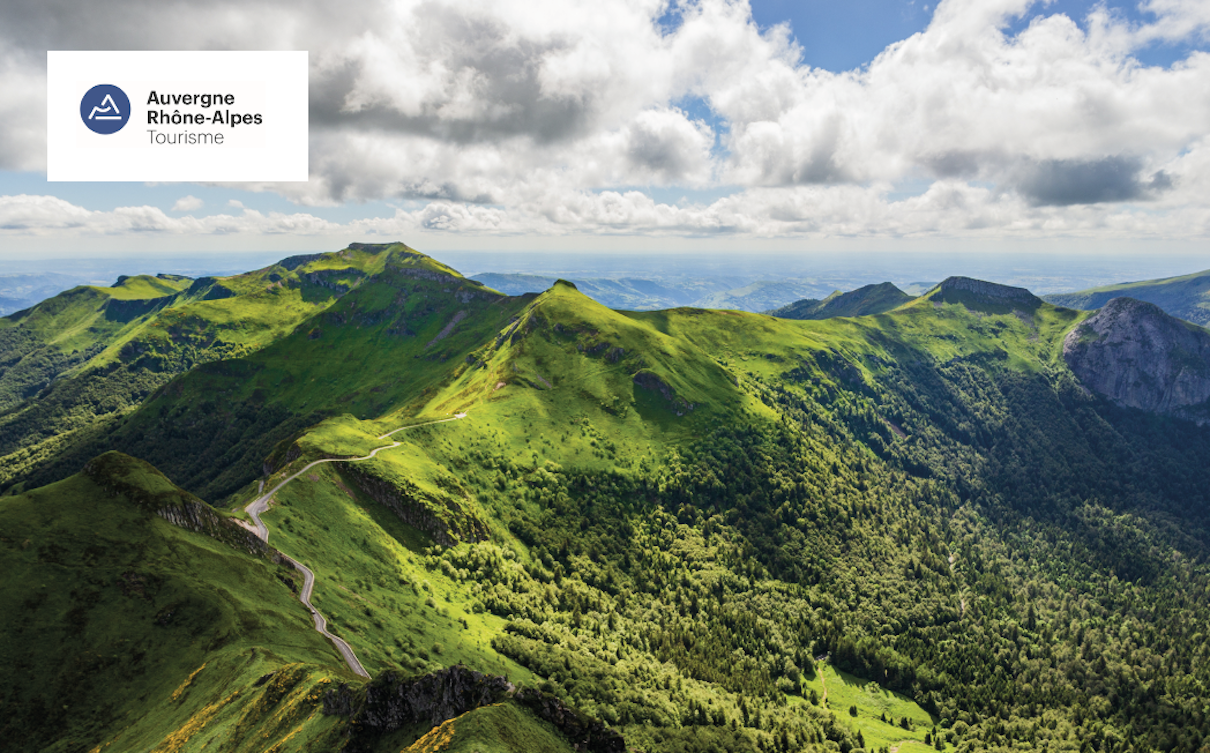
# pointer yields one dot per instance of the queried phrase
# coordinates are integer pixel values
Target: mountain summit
(1139, 357)
(864, 301)
(971, 291)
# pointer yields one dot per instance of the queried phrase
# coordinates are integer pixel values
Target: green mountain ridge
(637, 294)
(663, 518)
(864, 301)
(125, 628)
(206, 321)
(1185, 297)
(75, 363)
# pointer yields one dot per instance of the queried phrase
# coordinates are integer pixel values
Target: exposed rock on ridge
(1139, 357)
(389, 703)
(147, 488)
(990, 291)
(444, 520)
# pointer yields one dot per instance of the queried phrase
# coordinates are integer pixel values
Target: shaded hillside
(864, 301)
(120, 626)
(1186, 297)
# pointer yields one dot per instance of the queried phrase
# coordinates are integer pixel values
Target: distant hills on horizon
(1183, 296)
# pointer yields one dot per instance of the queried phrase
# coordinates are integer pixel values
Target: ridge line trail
(261, 504)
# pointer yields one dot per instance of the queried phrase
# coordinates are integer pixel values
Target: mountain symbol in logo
(105, 109)
(107, 105)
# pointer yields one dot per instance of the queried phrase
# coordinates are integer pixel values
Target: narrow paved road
(261, 505)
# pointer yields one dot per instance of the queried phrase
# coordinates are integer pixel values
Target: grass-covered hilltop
(970, 520)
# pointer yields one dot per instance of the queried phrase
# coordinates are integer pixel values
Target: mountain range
(1185, 297)
(966, 520)
(641, 294)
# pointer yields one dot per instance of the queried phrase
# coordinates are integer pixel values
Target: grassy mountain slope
(864, 301)
(890, 485)
(500, 728)
(1186, 297)
(382, 344)
(78, 361)
(569, 441)
(129, 633)
(662, 518)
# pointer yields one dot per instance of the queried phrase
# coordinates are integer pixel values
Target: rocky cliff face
(968, 290)
(145, 487)
(390, 702)
(444, 519)
(1139, 357)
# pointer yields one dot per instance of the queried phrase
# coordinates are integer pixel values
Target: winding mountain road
(261, 505)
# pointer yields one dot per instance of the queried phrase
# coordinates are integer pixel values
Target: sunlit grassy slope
(883, 717)
(377, 584)
(128, 633)
(384, 344)
(568, 387)
(500, 728)
(74, 363)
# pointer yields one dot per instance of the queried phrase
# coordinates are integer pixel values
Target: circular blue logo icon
(105, 108)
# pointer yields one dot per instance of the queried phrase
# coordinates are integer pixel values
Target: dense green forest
(710, 530)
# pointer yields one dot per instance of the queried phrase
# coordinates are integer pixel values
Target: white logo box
(206, 127)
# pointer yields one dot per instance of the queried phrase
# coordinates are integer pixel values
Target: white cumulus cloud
(558, 116)
(188, 204)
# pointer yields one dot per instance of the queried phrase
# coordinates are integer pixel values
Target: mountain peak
(869, 299)
(984, 289)
(375, 248)
(136, 479)
(1140, 357)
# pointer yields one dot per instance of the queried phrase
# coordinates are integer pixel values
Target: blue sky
(605, 126)
(841, 36)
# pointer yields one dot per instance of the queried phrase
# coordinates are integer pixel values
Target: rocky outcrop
(1139, 357)
(129, 309)
(653, 383)
(336, 280)
(390, 703)
(582, 731)
(294, 262)
(145, 487)
(979, 293)
(988, 289)
(199, 517)
(446, 526)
